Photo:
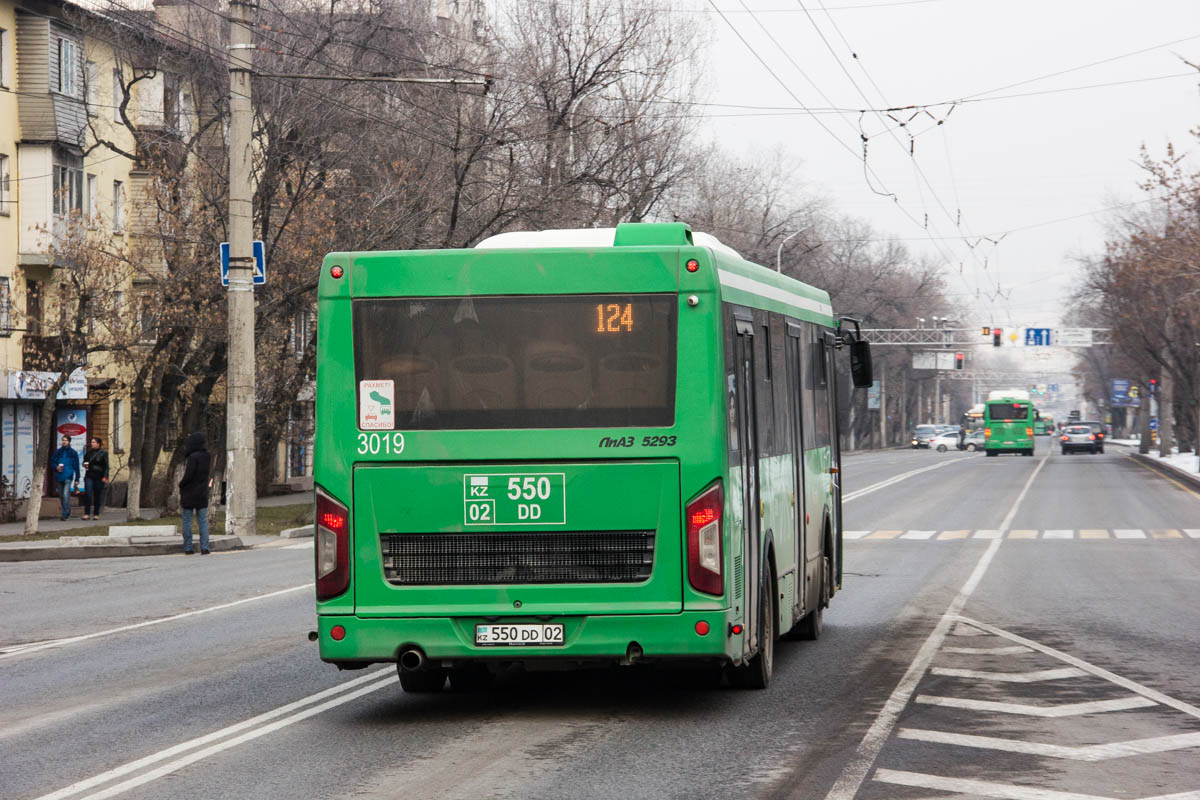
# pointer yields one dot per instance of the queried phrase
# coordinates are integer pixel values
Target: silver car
(1078, 437)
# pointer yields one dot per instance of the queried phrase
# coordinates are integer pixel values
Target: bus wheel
(422, 681)
(810, 626)
(1028, 452)
(757, 673)
(990, 453)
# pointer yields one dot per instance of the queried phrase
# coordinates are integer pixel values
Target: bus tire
(990, 453)
(756, 674)
(813, 622)
(422, 681)
(1028, 452)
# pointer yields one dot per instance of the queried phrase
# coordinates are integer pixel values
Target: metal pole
(779, 250)
(883, 409)
(937, 396)
(240, 468)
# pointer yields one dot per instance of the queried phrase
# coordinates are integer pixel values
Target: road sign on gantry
(1073, 337)
(1037, 337)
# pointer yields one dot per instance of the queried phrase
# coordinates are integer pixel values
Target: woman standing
(95, 478)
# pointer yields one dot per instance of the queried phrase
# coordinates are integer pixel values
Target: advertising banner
(1124, 394)
(31, 385)
(72, 422)
(873, 396)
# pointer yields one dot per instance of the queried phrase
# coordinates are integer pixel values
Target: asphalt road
(1009, 627)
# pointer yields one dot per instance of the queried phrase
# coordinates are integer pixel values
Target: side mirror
(860, 364)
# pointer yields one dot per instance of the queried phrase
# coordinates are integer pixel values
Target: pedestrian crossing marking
(953, 534)
(885, 534)
(1091, 534)
(918, 534)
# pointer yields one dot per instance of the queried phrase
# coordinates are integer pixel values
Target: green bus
(569, 448)
(1008, 419)
(1043, 424)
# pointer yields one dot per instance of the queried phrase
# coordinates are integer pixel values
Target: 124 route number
(389, 444)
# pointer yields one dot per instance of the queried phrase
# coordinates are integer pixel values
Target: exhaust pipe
(412, 659)
(632, 654)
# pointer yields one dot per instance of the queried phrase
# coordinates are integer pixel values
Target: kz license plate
(487, 635)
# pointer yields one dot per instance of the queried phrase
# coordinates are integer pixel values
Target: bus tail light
(987, 433)
(1029, 431)
(705, 558)
(332, 546)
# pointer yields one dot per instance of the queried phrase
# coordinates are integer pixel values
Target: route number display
(538, 498)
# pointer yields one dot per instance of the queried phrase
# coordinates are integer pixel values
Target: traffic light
(996, 337)
(987, 331)
(1153, 386)
(958, 360)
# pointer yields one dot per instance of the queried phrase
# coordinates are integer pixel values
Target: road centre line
(1090, 753)
(1001, 791)
(855, 772)
(897, 478)
(22, 649)
(1099, 672)
(381, 678)
(1049, 712)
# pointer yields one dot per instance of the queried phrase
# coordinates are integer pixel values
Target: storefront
(23, 393)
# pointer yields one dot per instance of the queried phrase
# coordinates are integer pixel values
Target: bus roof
(1008, 394)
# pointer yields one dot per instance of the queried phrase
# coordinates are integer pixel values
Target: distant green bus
(1043, 424)
(573, 448)
(1008, 419)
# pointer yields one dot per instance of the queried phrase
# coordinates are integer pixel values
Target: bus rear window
(1002, 412)
(549, 361)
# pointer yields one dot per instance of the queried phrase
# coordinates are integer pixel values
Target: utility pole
(883, 442)
(240, 469)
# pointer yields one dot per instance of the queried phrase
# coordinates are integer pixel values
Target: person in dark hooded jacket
(193, 491)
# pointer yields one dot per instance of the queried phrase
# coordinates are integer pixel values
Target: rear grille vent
(417, 559)
(737, 577)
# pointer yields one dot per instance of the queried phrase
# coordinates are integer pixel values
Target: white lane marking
(1051, 712)
(918, 534)
(988, 651)
(382, 677)
(1192, 532)
(854, 534)
(902, 476)
(855, 772)
(1129, 533)
(1090, 753)
(988, 534)
(1001, 791)
(301, 546)
(23, 649)
(1058, 534)
(1099, 672)
(966, 630)
(1034, 676)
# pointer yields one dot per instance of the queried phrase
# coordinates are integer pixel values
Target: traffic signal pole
(240, 468)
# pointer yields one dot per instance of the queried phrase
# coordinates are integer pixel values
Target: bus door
(748, 437)
(792, 358)
(835, 463)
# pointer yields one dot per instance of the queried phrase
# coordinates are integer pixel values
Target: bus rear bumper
(655, 637)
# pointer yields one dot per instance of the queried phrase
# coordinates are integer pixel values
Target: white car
(945, 441)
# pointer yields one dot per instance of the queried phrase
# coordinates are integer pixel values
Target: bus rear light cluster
(987, 433)
(1029, 431)
(332, 546)
(703, 522)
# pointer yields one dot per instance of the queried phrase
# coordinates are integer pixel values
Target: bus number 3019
(388, 444)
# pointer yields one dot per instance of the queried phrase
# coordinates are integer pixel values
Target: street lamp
(779, 251)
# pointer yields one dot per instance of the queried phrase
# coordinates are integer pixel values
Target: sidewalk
(1178, 465)
(103, 547)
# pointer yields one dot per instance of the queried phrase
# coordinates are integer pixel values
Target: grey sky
(1008, 164)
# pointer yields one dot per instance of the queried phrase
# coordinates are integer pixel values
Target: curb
(1166, 469)
(303, 532)
(56, 552)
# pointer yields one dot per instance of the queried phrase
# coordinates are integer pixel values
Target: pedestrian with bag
(95, 478)
(193, 491)
(65, 464)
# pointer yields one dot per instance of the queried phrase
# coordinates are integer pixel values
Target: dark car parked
(1098, 428)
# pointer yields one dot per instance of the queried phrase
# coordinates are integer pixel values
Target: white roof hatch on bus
(582, 237)
(1008, 394)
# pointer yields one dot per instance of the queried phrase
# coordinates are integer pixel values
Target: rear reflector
(703, 520)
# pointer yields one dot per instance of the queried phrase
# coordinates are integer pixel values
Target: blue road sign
(1154, 423)
(1037, 337)
(1053, 387)
(260, 264)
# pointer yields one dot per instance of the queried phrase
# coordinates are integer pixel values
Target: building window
(147, 320)
(116, 444)
(5, 49)
(4, 184)
(92, 209)
(118, 92)
(5, 308)
(33, 308)
(68, 190)
(68, 57)
(93, 87)
(118, 206)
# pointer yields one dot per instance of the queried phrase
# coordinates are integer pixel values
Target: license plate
(509, 635)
